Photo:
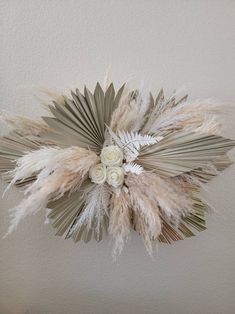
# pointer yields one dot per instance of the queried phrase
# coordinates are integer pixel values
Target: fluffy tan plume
(119, 223)
(24, 126)
(146, 210)
(153, 197)
(201, 116)
(57, 171)
(46, 96)
(120, 120)
(131, 112)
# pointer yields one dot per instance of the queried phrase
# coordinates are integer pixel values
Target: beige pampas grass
(46, 95)
(131, 112)
(57, 171)
(199, 115)
(120, 118)
(24, 126)
(144, 208)
(120, 220)
(153, 198)
(161, 152)
(165, 194)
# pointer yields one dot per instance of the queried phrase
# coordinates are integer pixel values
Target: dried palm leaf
(182, 152)
(161, 153)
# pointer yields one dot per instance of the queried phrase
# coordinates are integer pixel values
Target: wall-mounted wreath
(112, 161)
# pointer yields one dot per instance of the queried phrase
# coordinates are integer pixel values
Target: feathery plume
(95, 209)
(24, 126)
(116, 160)
(145, 209)
(120, 220)
(188, 117)
(57, 171)
(154, 199)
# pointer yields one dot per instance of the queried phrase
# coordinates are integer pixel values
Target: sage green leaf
(194, 220)
(108, 104)
(183, 152)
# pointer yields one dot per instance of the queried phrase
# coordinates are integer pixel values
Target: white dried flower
(115, 176)
(98, 174)
(112, 156)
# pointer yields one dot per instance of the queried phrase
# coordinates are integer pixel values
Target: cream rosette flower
(98, 174)
(111, 156)
(115, 176)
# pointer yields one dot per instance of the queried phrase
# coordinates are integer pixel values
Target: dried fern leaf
(131, 143)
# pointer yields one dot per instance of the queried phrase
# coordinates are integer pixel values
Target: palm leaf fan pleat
(182, 152)
(84, 117)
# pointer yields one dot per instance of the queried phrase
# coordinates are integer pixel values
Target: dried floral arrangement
(109, 162)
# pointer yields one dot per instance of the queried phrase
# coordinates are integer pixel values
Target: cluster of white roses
(110, 169)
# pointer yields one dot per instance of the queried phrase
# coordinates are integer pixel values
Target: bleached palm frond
(131, 143)
(132, 167)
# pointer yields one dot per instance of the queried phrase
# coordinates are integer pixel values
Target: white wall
(63, 44)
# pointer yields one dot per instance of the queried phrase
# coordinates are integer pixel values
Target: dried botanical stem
(168, 149)
(57, 171)
(119, 223)
(24, 126)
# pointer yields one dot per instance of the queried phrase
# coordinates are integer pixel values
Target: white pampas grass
(57, 171)
(165, 150)
(119, 223)
(96, 207)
